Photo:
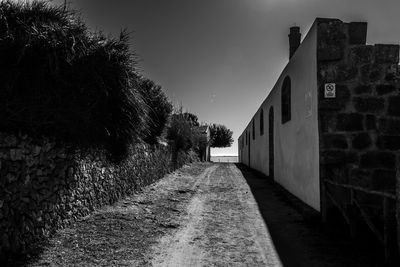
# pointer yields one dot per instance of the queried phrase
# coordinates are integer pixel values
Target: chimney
(294, 40)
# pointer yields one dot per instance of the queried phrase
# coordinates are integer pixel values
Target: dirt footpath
(201, 215)
(223, 226)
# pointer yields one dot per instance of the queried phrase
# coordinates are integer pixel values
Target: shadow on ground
(300, 238)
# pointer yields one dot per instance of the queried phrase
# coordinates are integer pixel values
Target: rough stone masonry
(360, 128)
(45, 185)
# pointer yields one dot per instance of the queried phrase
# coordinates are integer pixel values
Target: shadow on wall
(299, 236)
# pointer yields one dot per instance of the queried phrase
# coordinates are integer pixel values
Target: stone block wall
(45, 185)
(360, 128)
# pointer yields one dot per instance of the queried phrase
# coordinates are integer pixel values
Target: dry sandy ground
(223, 226)
(202, 215)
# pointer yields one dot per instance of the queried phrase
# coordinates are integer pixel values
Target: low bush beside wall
(45, 185)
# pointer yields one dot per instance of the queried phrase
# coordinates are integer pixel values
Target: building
(329, 130)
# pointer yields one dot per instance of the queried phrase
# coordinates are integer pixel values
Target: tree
(220, 136)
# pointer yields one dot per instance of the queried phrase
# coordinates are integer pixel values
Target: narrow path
(223, 226)
(178, 249)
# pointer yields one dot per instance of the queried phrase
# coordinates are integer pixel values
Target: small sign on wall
(330, 90)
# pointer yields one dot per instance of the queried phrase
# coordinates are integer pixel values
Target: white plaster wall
(296, 142)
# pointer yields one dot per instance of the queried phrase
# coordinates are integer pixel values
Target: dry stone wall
(45, 185)
(360, 128)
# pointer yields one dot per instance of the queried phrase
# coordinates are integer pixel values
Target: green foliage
(220, 136)
(159, 110)
(58, 79)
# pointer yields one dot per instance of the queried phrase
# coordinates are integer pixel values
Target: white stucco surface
(296, 149)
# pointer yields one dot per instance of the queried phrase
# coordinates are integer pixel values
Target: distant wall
(296, 148)
(44, 186)
(232, 159)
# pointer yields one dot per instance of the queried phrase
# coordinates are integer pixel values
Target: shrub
(159, 110)
(58, 79)
(180, 133)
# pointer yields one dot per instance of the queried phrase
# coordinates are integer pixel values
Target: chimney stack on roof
(294, 40)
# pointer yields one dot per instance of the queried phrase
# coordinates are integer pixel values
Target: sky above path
(220, 58)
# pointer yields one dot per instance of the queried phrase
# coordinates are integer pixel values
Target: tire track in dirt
(222, 226)
(178, 249)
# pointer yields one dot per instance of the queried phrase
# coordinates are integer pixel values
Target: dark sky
(220, 58)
